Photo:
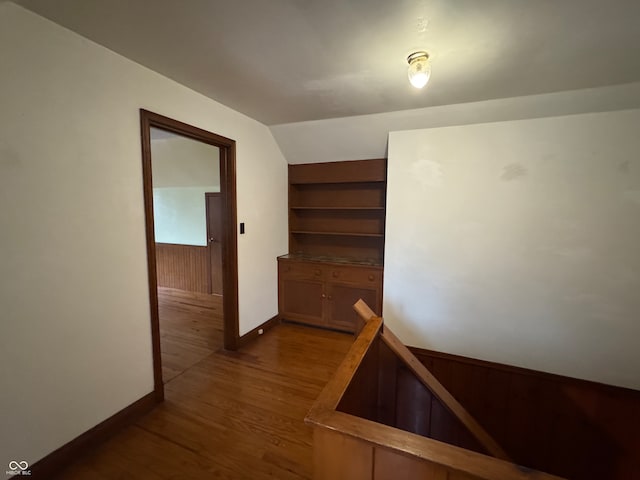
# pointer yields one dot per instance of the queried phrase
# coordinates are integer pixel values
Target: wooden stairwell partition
(384, 416)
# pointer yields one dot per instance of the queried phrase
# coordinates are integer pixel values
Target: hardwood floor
(191, 328)
(230, 415)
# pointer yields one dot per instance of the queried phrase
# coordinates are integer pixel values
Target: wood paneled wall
(573, 428)
(383, 390)
(185, 267)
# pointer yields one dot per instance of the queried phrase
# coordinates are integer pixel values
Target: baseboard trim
(57, 460)
(253, 334)
(424, 354)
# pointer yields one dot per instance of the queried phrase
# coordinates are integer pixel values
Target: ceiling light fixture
(419, 68)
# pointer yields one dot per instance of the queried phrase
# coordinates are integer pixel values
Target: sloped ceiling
(286, 61)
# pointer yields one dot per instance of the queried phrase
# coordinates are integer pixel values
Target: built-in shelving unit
(337, 210)
(336, 242)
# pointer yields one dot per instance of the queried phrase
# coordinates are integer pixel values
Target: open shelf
(381, 209)
(344, 234)
(338, 209)
(356, 171)
(335, 182)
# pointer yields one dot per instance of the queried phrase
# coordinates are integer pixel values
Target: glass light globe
(419, 69)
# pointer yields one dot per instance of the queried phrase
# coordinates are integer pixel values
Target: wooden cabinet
(301, 292)
(323, 293)
(336, 242)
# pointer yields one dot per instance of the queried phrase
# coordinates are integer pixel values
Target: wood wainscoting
(185, 267)
(574, 428)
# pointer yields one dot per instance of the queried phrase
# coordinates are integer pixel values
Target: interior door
(214, 236)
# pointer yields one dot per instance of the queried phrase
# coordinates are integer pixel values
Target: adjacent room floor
(191, 328)
(229, 415)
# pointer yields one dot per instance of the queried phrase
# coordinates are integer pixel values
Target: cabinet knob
(324, 296)
(329, 297)
(317, 272)
(371, 277)
(336, 274)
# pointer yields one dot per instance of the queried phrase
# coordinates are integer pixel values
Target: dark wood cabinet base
(322, 293)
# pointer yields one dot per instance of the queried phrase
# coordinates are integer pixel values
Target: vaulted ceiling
(283, 61)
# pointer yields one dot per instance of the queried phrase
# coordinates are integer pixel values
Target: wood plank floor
(191, 328)
(231, 415)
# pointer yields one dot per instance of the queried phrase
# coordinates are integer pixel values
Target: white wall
(519, 242)
(183, 171)
(75, 328)
(365, 136)
(180, 215)
(183, 162)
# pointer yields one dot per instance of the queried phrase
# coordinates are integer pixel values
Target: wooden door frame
(210, 273)
(229, 239)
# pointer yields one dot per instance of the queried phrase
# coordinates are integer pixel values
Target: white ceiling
(282, 61)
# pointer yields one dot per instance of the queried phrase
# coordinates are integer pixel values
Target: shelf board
(338, 182)
(369, 262)
(339, 208)
(339, 234)
(355, 171)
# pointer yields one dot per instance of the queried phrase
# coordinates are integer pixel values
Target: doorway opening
(208, 244)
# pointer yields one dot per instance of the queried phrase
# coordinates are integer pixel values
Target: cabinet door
(341, 298)
(301, 300)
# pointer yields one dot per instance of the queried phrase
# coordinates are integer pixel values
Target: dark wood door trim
(208, 195)
(229, 220)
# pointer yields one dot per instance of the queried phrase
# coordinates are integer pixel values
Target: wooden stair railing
(432, 383)
(355, 419)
